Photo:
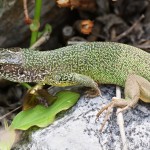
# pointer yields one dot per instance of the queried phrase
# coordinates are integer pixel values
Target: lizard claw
(93, 93)
(107, 107)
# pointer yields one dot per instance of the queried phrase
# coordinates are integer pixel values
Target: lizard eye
(21, 71)
(0, 66)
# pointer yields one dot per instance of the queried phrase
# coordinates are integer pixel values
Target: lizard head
(10, 57)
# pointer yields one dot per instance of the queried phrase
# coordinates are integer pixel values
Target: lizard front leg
(69, 79)
(136, 87)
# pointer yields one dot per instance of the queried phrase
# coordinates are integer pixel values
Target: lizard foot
(123, 104)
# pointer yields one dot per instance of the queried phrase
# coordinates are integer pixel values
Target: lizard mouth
(17, 73)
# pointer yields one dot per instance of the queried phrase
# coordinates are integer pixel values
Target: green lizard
(83, 64)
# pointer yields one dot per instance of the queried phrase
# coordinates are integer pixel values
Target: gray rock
(77, 130)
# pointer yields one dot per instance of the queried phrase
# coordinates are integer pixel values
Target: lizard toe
(121, 103)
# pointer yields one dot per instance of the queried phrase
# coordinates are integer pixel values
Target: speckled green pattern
(105, 62)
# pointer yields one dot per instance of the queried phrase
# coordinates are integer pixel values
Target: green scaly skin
(81, 64)
(105, 62)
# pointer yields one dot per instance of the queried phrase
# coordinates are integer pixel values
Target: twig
(25, 8)
(144, 46)
(128, 30)
(2, 117)
(41, 40)
(120, 121)
(26, 14)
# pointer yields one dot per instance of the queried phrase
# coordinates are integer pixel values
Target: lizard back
(105, 62)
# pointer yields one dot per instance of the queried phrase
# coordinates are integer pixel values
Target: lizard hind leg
(136, 87)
